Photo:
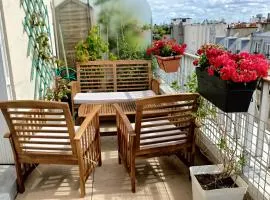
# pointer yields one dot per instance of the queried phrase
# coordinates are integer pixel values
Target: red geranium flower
(242, 67)
(166, 48)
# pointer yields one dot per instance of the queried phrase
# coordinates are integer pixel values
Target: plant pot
(236, 193)
(169, 64)
(226, 95)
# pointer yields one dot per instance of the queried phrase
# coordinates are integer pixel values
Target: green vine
(203, 110)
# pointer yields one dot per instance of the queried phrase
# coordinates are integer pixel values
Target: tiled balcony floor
(157, 178)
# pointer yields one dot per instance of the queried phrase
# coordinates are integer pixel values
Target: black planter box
(226, 95)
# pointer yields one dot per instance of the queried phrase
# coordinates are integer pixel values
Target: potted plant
(60, 91)
(222, 181)
(228, 80)
(168, 54)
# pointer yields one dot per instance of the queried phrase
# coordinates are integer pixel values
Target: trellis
(36, 25)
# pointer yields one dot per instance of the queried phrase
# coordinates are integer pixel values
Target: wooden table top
(107, 110)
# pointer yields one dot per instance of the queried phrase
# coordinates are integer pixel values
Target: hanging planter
(229, 80)
(169, 64)
(168, 54)
(226, 95)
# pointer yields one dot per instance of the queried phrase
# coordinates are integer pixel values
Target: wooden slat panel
(167, 138)
(38, 119)
(39, 125)
(133, 74)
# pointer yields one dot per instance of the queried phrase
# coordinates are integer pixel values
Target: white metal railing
(252, 130)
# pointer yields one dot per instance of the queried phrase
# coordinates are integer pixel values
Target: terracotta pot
(169, 64)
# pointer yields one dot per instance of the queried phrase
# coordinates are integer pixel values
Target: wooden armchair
(43, 132)
(163, 125)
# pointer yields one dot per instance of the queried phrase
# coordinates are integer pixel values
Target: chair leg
(119, 159)
(133, 176)
(20, 182)
(192, 159)
(99, 160)
(82, 180)
(82, 187)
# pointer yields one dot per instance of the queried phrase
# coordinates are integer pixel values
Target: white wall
(196, 35)
(5, 94)
(17, 46)
(15, 67)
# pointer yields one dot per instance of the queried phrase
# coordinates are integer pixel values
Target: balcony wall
(17, 40)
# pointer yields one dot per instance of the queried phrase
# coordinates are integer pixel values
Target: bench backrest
(40, 127)
(114, 76)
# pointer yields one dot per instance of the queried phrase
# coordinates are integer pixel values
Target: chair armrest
(123, 121)
(87, 142)
(91, 121)
(126, 138)
(155, 85)
(7, 135)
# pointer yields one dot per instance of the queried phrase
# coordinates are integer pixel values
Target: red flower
(210, 71)
(195, 62)
(242, 67)
(166, 48)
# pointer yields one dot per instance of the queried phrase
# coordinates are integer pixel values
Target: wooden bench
(105, 77)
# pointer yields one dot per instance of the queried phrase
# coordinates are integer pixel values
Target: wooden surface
(164, 125)
(113, 76)
(75, 19)
(107, 110)
(43, 132)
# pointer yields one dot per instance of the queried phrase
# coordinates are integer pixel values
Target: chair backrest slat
(165, 116)
(40, 127)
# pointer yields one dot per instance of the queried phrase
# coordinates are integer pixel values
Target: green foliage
(160, 30)
(43, 47)
(92, 48)
(233, 163)
(36, 20)
(166, 51)
(122, 29)
(81, 52)
(175, 86)
(127, 51)
(59, 91)
(204, 110)
(112, 56)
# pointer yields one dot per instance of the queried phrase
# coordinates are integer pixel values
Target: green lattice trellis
(36, 25)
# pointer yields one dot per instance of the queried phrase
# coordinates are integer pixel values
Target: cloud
(198, 10)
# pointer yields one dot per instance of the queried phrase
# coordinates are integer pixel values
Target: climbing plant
(36, 25)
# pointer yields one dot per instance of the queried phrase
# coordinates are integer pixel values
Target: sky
(198, 10)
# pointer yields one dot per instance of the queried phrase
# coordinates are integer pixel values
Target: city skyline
(230, 10)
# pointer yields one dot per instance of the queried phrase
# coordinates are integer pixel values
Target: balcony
(157, 178)
(168, 177)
